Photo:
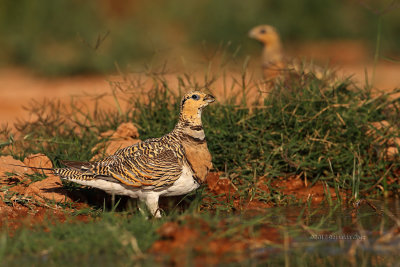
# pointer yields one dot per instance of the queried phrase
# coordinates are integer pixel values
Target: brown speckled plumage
(154, 165)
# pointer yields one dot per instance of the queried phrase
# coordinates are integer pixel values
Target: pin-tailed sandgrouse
(174, 164)
(274, 64)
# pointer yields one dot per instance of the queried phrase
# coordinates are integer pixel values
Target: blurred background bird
(274, 63)
(272, 56)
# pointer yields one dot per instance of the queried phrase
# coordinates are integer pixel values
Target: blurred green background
(64, 37)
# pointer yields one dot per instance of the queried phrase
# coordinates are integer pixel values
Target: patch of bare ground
(298, 188)
(26, 203)
(18, 215)
(196, 242)
(295, 187)
(19, 86)
(225, 193)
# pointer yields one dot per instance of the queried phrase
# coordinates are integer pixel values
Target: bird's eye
(262, 31)
(196, 97)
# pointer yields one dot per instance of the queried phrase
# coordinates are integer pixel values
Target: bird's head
(193, 103)
(265, 34)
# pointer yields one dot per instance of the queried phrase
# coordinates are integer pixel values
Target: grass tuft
(301, 126)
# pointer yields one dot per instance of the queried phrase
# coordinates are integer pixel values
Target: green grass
(111, 238)
(303, 235)
(302, 126)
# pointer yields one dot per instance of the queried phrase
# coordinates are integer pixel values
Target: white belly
(183, 185)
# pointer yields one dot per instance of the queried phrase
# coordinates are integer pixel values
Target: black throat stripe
(196, 128)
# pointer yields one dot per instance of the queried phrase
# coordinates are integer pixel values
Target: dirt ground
(27, 202)
(19, 86)
(24, 201)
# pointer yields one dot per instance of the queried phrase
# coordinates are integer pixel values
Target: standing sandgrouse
(174, 164)
(274, 64)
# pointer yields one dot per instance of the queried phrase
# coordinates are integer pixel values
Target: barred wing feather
(150, 164)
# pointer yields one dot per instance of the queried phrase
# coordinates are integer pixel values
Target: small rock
(50, 188)
(219, 185)
(125, 131)
(394, 141)
(114, 145)
(39, 161)
(391, 153)
(126, 135)
(11, 165)
(379, 125)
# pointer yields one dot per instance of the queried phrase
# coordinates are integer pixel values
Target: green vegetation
(300, 126)
(318, 129)
(114, 237)
(69, 37)
(273, 238)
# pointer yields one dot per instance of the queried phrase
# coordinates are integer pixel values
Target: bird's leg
(151, 201)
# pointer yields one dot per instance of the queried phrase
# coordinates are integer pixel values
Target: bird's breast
(199, 159)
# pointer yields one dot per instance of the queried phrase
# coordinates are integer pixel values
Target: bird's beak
(252, 34)
(209, 98)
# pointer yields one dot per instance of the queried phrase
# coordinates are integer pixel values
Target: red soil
(198, 238)
(18, 87)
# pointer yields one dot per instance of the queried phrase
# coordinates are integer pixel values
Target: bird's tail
(64, 173)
